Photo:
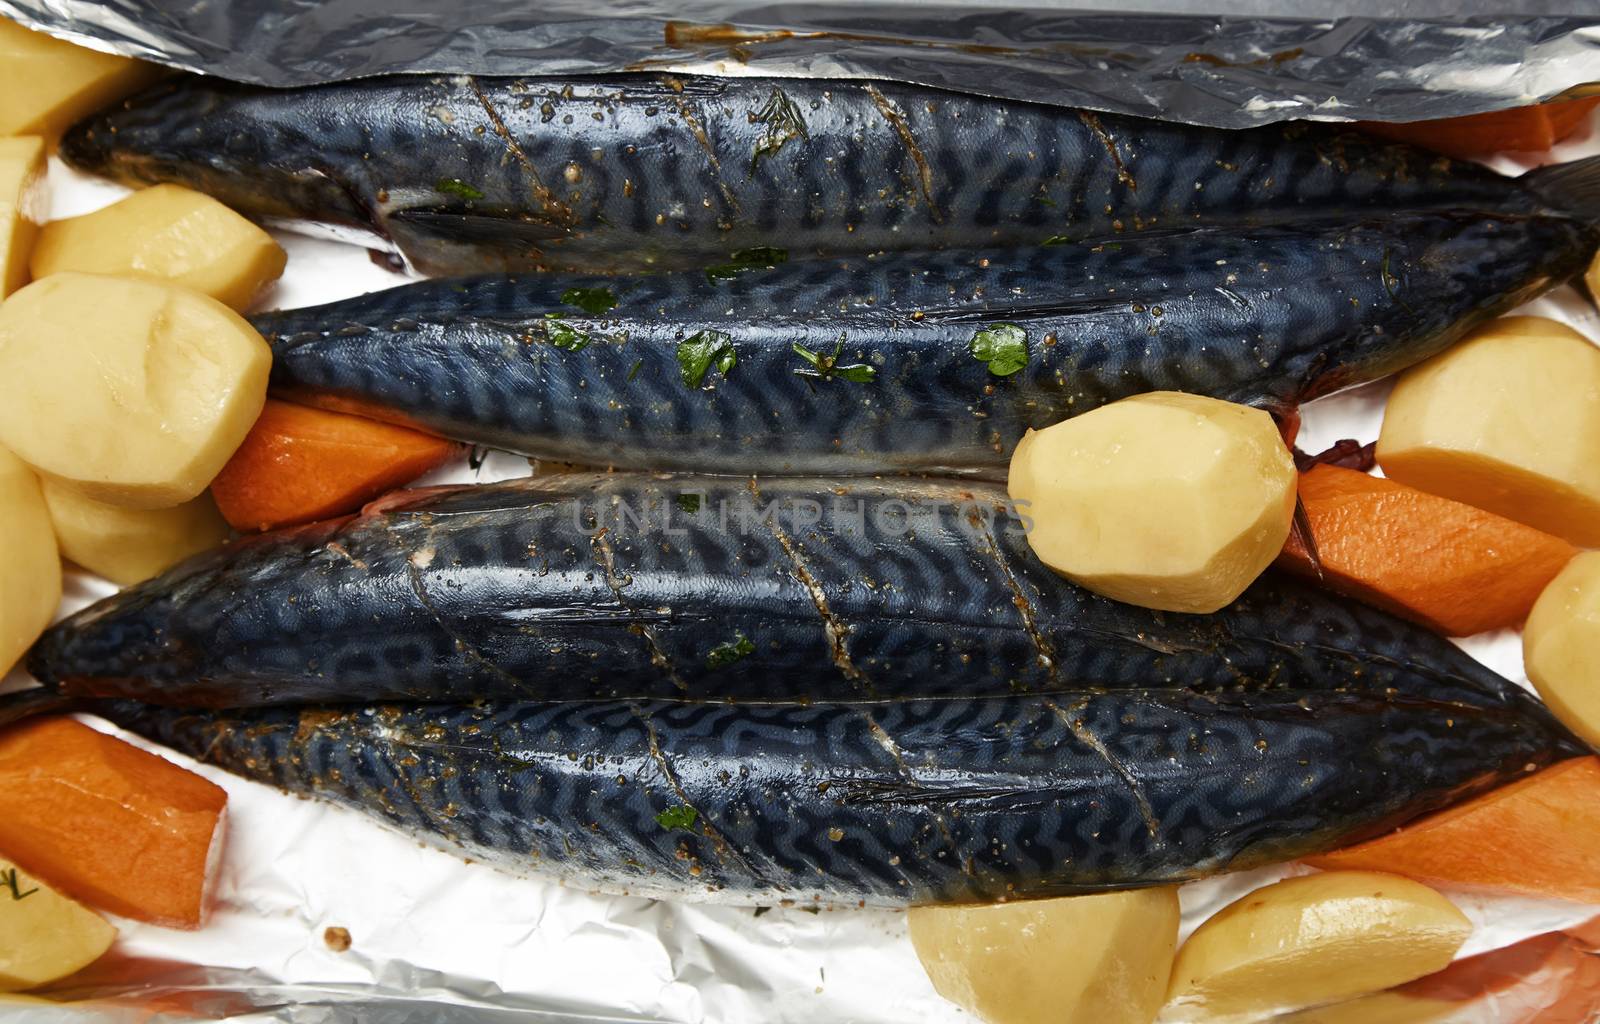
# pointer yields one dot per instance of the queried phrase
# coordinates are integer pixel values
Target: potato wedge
(22, 207)
(30, 570)
(1507, 420)
(1102, 958)
(1313, 939)
(43, 935)
(1561, 646)
(46, 83)
(1103, 491)
(130, 545)
(168, 233)
(133, 392)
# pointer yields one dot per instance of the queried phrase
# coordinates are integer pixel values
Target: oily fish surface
(133, 392)
(30, 570)
(1102, 958)
(130, 545)
(167, 233)
(1507, 420)
(46, 83)
(1314, 939)
(1164, 500)
(43, 935)
(1561, 646)
(23, 203)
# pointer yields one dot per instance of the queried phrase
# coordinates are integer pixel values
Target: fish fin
(1300, 529)
(40, 700)
(1572, 187)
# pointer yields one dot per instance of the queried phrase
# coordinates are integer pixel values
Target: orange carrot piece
(1544, 839)
(1452, 567)
(107, 823)
(1520, 129)
(300, 464)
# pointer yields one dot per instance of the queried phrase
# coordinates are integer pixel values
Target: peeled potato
(135, 393)
(1165, 500)
(22, 207)
(43, 935)
(46, 83)
(1592, 278)
(30, 570)
(1561, 645)
(129, 545)
(1507, 420)
(169, 233)
(1314, 939)
(1102, 958)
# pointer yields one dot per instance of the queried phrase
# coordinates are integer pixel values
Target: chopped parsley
(701, 351)
(690, 503)
(761, 257)
(725, 654)
(563, 335)
(674, 818)
(826, 367)
(458, 188)
(1004, 347)
(783, 121)
(590, 300)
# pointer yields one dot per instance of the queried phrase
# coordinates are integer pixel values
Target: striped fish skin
(611, 174)
(1271, 317)
(782, 590)
(894, 803)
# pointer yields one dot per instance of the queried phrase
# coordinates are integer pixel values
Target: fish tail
(41, 700)
(1572, 188)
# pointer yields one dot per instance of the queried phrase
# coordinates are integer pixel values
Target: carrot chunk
(1452, 567)
(1545, 839)
(1521, 129)
(300, 464)
(107, 823)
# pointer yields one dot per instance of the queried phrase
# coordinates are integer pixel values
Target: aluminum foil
(1392, 60)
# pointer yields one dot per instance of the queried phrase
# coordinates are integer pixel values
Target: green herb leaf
(726, 654)
(1057, 240)
(827, 367)
(1004, 347)
(699, 352)
(682, 817)
(590, 300)
(633, 371)
(783, 121)
(458, 188)
(762, 257)
(563, 335)
(690, 503)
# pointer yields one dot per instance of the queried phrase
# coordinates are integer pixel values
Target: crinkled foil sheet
(437, 940)
(1263, 60)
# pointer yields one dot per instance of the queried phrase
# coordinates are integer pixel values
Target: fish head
(219, 138)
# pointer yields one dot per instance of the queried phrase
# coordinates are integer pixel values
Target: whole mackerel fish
(920, 362)
(893, 802)
(619, 586)
(620, 173)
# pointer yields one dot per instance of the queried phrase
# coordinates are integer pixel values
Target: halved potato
(43, 935)
(30, 569)
(1165, 500)
(1313, 939)
(1507, 420)
(22, 207)
(133, 392)
(1102, 958)
(128, 545)
(169, 233)
(1561, 646)
(46, 83)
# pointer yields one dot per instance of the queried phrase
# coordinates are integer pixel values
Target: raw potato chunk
(129, 545)
(30, 571)
(46, 83)
(1102, 958)
(22, 207)
(1509, 421)
(135, 393)
(1165, 500)
(43, 935)
(1561, 646)
(168, 233)
(1314, 939)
